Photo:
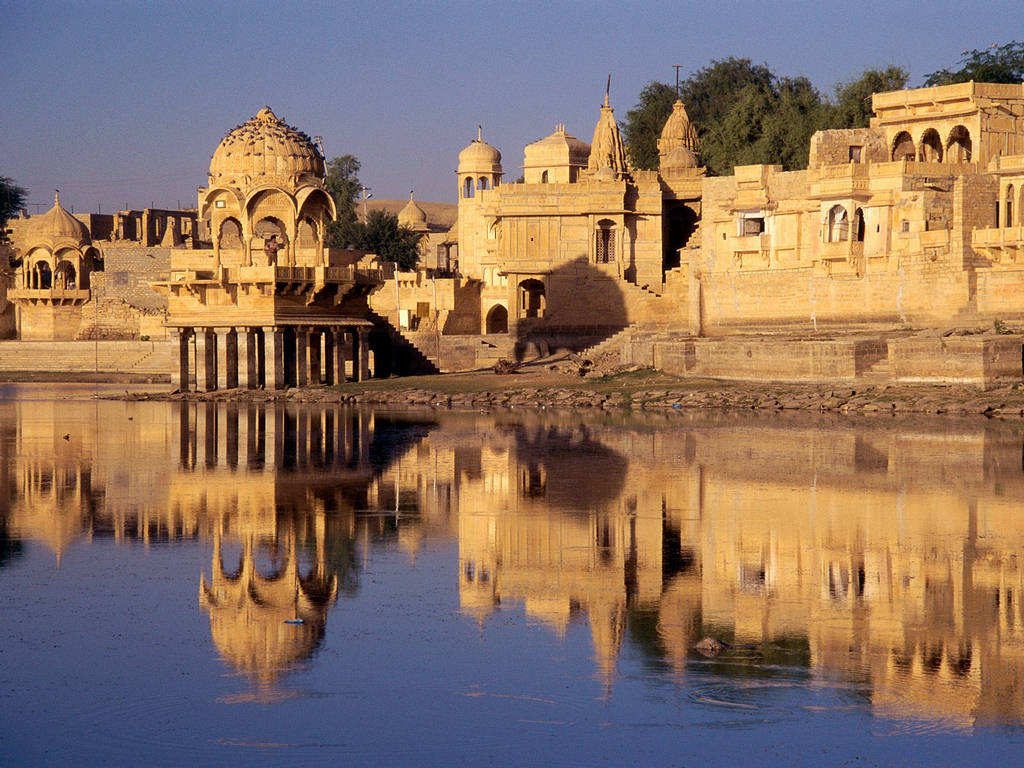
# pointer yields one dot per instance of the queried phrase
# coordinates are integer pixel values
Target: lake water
(198, 584)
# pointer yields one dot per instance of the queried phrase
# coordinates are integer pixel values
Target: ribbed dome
(412, 216)
(607, 152)
(57, 224)
(265, 149)
(479, 156)
(678, 131)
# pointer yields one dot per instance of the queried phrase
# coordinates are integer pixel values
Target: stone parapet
(986, 362)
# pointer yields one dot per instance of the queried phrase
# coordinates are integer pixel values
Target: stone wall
(832, 147)
(67, 358)
(769, 360)
(980, 361)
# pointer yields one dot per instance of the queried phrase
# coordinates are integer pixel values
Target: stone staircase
(656, 314)
(412, 354)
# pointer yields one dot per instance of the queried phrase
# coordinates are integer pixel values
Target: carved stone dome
(479, 157)
(412, 216)
(57, 224)
(263, 150)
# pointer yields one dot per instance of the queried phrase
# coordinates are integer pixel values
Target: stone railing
(77, 295)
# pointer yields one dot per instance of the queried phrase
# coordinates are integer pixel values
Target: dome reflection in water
(765, 568)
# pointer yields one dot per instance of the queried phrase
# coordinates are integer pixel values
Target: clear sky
(125, 102)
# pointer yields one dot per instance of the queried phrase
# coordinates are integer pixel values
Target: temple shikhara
(880, 261)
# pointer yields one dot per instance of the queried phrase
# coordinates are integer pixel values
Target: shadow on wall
(574, 307)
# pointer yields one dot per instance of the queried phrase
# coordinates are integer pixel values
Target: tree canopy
(851, 107)
(995, 64)
(12, 200)
(379, 234)
(343, 185)
(746, 114)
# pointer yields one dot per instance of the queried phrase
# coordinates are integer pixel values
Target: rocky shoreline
(1002, 402)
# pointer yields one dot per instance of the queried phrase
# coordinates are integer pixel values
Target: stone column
(328, 337)
(362, 344)
(223, 359)
(273, 357)
(179, 372)
(301, 356)
(246, 356)
(315, 340)
(206, 361)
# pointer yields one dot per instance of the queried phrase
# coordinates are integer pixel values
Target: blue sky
(125, 102)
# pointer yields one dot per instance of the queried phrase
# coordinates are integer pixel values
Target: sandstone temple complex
(886, 259)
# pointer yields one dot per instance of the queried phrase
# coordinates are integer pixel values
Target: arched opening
(497, 319)
(958, 145)
(531, 298)
(1009, 207)
(467, 187)
(903, 147)
(931, 147)
(306, 236)
(858, 225)
(64, 276)
(42, 277)
(544, 177)
(604, 245)
(838, 225)
(230, 235)
(680, 223)
(271, 231)
(483, 183)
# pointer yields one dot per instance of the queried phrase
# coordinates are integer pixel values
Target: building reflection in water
(888, 558)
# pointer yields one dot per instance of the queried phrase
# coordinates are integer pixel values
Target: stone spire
(607, 152)
(678, 131)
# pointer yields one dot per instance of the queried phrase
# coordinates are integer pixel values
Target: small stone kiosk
(269, 305)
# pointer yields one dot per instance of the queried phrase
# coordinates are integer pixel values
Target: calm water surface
(204, 584)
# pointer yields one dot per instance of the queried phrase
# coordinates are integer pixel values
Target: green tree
(795, 111)
(643, 124)
(851, 107)
(12, 200)
(996, 64)
(379, 234)
(343, 185)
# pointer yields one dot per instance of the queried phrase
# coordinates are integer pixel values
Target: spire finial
(677, 67)
(479, 132)
(410, 194)
(56, 198)
(607, 90)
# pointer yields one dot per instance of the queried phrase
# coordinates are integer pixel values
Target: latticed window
(605, 244)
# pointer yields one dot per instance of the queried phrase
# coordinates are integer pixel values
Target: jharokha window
(604, 251)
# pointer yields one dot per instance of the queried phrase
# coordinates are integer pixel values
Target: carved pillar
(224, 374)
(315, 340)
(273, 357)
(206, 360)
(179, 372)
(246, 356)
(301, 356)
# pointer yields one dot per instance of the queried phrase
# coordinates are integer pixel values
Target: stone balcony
(53, 296)
(1003, 246)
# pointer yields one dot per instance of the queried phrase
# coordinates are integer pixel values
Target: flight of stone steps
(54, 357)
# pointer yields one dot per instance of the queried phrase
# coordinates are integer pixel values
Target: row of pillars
(271, 357)
(257, 438)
